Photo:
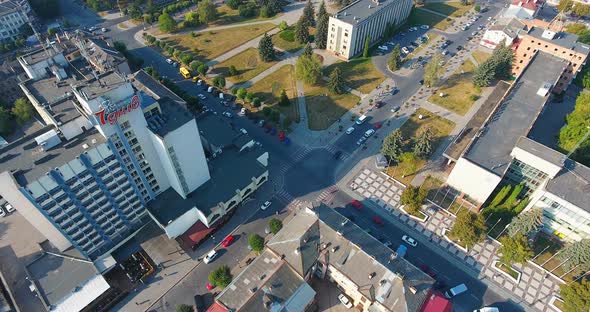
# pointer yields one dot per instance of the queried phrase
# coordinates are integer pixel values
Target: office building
(503, 151)
(349, 28)
(13, 15)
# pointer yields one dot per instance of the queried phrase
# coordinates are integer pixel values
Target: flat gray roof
(562, 39)
(145, 82)
(49, 90)
(572, 184)
(173, 117)
(28, 161)
(216, 130)
(106, 83)
(360, 9)
(515, 116)
(222, 186)
(540, 150)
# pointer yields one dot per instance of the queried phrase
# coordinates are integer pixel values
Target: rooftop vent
(372, 274)
(544, 89)
(548, 34)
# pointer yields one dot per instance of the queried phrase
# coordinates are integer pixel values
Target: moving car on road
(350, 130)
(356, 204)
(210, 256)
(228, 241)
(265, 205)
(412, 242)
(457, 290)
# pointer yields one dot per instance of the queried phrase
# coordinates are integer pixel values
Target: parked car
(228, 241)
(487, 309)
(410, 241)
(388, 244)
(210, 256)
(425, 27)
(356, 204)
(345, 301)
(209, 286)
(369, 133)
(9, 208)
(427, 270)
(401, 250)
(227, 114)
(2, 213)
(350, 130)
(265, 205)
(377, 220)
(361, 140)
(459, 48)
(395, 109)
(379, 104)
(169, 61)
(405, 50)
(457, 290)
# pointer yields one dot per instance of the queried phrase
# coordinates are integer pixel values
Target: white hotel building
(349, 28)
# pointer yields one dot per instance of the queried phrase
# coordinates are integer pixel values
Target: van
(457, 290)
(221, 95)
(361, 120)
(185, 72)
(210, 89)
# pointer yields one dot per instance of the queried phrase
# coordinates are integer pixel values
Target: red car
(227, 241)
(378, 125)
(355, 203)
(209, 286)
(281, 136)
(377, 220)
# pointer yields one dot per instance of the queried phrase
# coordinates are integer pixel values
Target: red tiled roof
(195, 234)
(436, 303)
(217, 307)
(528, 4)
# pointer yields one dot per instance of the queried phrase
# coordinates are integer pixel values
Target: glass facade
(570, 223)
(519, 172)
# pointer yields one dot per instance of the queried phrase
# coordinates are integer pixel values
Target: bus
(185, 73)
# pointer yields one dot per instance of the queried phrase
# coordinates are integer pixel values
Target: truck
(185, 73)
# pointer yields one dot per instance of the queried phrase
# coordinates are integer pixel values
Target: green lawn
(227, 15)
(285, 40)
(550, 246)
(453, 9)
(458, 90)
(439, 128)
(208, 45)
(507, 269)
(247, 63)
(421, 17)
(480, 56)
(325, 107)
(269, 89)
(359, 73)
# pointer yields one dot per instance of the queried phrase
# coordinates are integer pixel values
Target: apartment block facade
(13, 15)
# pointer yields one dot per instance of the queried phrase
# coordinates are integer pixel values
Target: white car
(445, 52)
(413, 29)
(104, 30)
(227, 114)
(345, 301)
(2, 213)
(361, 140)
(265, 205)
(410, 241)
(487, 309)
(369, 133)
(201, 96)
(383, 48)
(350, 130)
(425, 27)
(210, 256)
(169, 61)
(9, 208)
(405, 50)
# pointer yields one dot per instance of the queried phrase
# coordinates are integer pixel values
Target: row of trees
(498, 66)
(571, 136)
(21, 112)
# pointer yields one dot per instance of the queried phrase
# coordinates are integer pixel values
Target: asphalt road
(308, 177)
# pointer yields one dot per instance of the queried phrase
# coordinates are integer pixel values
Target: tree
(392, 145)
(484, 74)
(308, 14)
(233, 4)
(5, 121)
(186, 58)
(515, 249)
(247, 9)
(206, 11)
(366, 47)
(166, 23)
(395, 60)
(184, 308)
(408, 163)
(194, 66)
(22, 110)
(266, 50)
(501, 195)
(576, 128)
(241, 94)
(336, 83)
(219, 81)
(526, 222)
(521, 205)
(256, 102)
(502, 58)
(576, 296)
(509, 202)
(191, 19)
(51, 31)
(284, 99)
(423, 145)
(256, 242)
(220, 277)
(321, 33)
(469, 228)
(433, 70)
(577, 255)
(249, 97)
(308, 50)
(308, 69)
(412, 198)
(275, 225)
(232, 70)
(301, 31)
(202, 69)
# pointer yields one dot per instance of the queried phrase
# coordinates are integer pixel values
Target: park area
(285, 40)
(459, 92)
(248, 64)
(325, 107)
(480, 56)
(227, 15)
(268, 90)
(207, 45)
(439, 128)
(421, 17)
(452, 9)
(359, 73)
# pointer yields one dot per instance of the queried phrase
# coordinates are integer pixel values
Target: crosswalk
(328, 194)
(333, 149)
(284, 196)
(301, 153)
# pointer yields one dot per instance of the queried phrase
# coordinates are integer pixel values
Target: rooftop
(216, 130)
(67, 282)
(562, 39)
(145, 82)
(572, 184)
(173, 116)
(107, 82)
(548, 154)
(515, 116)
(224, 182)
(49, 90)
(361, 10)
(512, 26)
(39, 55)
(528, 4)
(29, 161)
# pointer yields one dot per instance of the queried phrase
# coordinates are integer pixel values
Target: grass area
(227, 15)
(439, 128)
(325, 107)
(269, 89)
(211, 44)
(459, 91)
(285, 40)
(248, 64)
(559, 304)
(549, 247)
(453, 9)
(480, 56)
(360, 74)
(421, 17)
(507, 269)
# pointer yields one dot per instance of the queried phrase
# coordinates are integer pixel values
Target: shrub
(275, 225)
(287, 35)
(474, 97)
(256, 242)
(256, 102)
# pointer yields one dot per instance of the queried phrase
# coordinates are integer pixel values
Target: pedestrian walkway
(534, 288)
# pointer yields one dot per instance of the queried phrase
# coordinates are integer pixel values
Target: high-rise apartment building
(349, 28)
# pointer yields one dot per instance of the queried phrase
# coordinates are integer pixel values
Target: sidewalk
(533, 290)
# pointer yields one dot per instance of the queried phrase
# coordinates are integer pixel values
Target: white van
(361, 120)
(221, 95)
(457, 290)
(210, 89)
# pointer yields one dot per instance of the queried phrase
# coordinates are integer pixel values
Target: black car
(459, 48)
(379, 104)
(421, 82)
(337, 155)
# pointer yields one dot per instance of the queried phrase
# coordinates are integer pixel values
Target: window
(345, 34)
(528, 48)
(343, 47)
(524, 55)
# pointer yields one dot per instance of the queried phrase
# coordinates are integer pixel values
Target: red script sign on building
(112, 117)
